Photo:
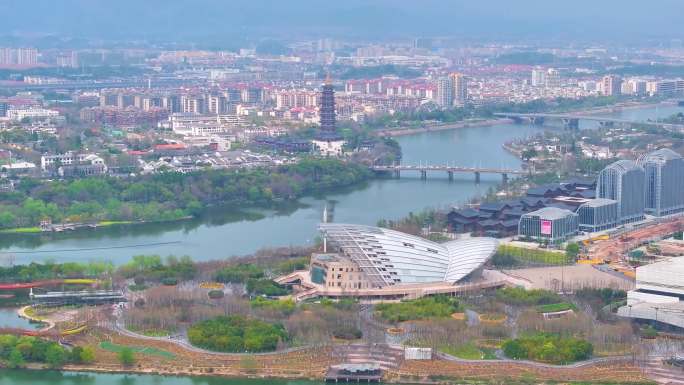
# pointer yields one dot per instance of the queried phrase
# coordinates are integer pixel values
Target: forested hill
(170, 196)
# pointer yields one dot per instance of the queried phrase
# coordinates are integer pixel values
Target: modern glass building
(623, 181)
(550, 223)
(598, 214)
(388, 257)
(664, 173)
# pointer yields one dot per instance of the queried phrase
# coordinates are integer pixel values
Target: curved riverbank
(403, 131)
(48, 323)
(222, 234)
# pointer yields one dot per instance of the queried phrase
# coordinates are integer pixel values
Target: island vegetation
(170, 196)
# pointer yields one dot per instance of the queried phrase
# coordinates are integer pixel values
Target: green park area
(418, 309)
(236, 334)
(116, 348)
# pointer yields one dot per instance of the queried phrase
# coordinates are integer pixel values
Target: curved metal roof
(623, 166)
(659, 156)
(389, 257)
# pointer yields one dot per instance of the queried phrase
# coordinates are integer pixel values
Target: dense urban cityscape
(295, 196)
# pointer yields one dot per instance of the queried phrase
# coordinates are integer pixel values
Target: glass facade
(550, 223)
(624, 182)
(664, 173)
(598, 214)
(318, 275)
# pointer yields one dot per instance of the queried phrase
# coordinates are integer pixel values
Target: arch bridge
(571, 121)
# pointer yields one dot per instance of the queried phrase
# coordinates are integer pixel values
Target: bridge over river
(450, 170)
(571, 121)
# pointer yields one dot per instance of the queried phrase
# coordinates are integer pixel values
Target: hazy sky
(186, 19)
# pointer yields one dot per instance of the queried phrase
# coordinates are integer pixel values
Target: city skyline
(498, 188)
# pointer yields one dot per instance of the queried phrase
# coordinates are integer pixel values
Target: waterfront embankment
(411, 130)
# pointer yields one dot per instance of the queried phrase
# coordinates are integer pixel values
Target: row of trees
(146, 266)
(154, 268)
(17, 351)
(170, 196)
(50, 270)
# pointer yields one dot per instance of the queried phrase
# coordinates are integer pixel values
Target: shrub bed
(347, 333)
(520, 296)
(556, 307)
(422, 308)
(548, 348)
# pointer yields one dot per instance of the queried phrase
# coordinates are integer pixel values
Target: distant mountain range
(222, 21)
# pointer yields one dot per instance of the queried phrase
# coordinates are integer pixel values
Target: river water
(31, 377)
(227, 233)
(10, 319)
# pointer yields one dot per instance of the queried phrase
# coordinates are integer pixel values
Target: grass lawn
(21, 230)
(547, 257)
(150, 332)
(469, 351)
(112, 223)
(112, 347)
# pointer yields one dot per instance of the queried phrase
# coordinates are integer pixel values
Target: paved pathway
(655, 369)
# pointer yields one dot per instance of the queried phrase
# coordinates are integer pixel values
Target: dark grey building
(327, 111)
(598, 214)
(664, 172)
(624, 182)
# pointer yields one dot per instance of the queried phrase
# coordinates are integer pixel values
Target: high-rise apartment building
(18, 56)
(612, 85)
(538, 77)
(624, 182)
(216, 104)
(445, 91)
(460, 89)
(664, 172)
(252, 95)
(666, 87)
(552, 79)
(193, 104)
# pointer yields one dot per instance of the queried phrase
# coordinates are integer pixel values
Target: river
(227, 233)
(10, 319)
(32, 377)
